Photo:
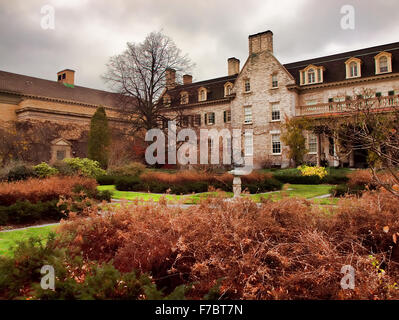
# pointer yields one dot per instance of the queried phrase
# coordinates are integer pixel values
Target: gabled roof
(215, 88)
(31, 86)
(335, 64)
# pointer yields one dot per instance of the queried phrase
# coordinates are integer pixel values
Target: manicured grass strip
(10, 238)
(296, 190)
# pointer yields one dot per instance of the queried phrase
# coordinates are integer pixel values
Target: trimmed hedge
(297, 178)
(23, 212)
(106, 180)
(135, 184)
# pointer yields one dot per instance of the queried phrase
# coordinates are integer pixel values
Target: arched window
(353, 69)
(311, 76)
(202, 94)
(228, 89)
(383, 64)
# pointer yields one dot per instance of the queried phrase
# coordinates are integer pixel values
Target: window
(311, 76)
(63, 76)
(303, 77)
(166, 100)
(197, 120)
(383, 64)
(276, 144)
(353, 69)
(247, 85)
(210, 118)
(228, 89)
(61, 154)
(312, 145)
(185, 121)
(276, 112)
(59, 78)
(184, 98)
(227, 116)
(247, 115)
(202, 94)
(274, 81)
(249, 144)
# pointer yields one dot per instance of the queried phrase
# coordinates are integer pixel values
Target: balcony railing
(340, 108)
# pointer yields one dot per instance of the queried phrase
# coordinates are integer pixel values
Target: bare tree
(139, 76)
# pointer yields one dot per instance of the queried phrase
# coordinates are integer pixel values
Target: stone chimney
(233, 66)
(170, 75)
(66, 76)
(261, 42)
(187, 79)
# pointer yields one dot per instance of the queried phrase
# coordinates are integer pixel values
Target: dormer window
(228, 89)
(353, 68)
(311, 74)
(202, 94)
(184, 97)
(383, 62)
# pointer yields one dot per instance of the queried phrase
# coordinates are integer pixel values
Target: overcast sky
(88, 32)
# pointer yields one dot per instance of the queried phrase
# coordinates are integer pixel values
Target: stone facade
(40, 118)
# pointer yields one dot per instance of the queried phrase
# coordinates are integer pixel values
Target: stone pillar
(237, 186)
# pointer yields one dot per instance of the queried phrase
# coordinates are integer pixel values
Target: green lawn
(295, 190)
(8, 239)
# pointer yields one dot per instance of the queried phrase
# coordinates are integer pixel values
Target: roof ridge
(52, 81)
(357, 52)
(213, 80)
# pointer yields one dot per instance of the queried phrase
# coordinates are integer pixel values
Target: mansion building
(264, 92)
(53, 117)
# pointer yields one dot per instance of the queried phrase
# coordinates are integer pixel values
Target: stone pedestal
(237, 186)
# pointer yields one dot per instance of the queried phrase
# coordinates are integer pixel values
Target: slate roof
(215, 88)
(335, 64)
(31, 86)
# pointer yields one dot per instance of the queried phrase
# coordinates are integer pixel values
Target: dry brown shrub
(278, 250)
(365, 178)
(176, 178)
(35, 190)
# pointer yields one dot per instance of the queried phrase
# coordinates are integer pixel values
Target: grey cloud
(89, 32)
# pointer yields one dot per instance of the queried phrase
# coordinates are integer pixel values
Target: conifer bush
(99, 138)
